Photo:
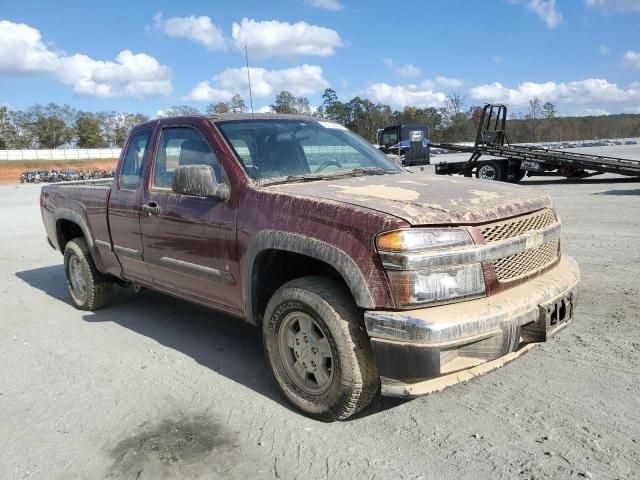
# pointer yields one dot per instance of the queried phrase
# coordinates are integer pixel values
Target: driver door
(189, 242)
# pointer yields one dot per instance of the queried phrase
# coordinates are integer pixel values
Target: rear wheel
(491, 171)
(318, 349)
(89, 289)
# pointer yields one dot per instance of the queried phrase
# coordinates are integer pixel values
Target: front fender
(310, 247)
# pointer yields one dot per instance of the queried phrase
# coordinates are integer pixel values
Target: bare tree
(535, 108)
(453, 104)
(535, 111)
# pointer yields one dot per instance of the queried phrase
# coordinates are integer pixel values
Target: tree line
(53, 125)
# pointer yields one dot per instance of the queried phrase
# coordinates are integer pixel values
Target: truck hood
(425, 199)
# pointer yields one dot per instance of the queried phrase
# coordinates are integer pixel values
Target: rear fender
(78, 219)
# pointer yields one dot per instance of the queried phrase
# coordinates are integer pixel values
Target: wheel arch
(320, 258)
(69, 225)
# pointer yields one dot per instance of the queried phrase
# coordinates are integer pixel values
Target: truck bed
(83, 203)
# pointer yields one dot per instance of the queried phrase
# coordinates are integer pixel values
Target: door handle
(151, 208)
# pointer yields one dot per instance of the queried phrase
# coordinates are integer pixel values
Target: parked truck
(363, 277)
(409, 141)
(510, 163)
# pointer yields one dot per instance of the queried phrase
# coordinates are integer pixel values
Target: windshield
(290, 150)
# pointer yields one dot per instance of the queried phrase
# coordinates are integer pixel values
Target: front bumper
(419, 351)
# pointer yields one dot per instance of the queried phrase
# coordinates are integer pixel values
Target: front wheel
(89, 289)
(318, 349)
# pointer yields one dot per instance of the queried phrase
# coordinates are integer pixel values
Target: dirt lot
(154, 387)
(10, 171)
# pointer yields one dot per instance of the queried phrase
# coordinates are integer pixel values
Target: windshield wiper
(294, 178)
(310, 177)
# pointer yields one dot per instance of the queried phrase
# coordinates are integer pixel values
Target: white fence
(61, 154)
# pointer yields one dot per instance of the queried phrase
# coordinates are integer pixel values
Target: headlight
(453, 283)
(412, 240)
(438, 285)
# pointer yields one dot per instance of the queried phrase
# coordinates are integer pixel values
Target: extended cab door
(124, 206)
(189, 242)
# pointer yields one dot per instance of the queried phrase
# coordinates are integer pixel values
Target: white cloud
(274, 38)
(135, 75)
(407, 71)
(581, 92)
(609, 6)
(400, 96)
(204, 92)
(131, 75)
(302, 80)
(333, 5)
(603, 50)
(589, 112)
(22, 50)
(445, 82)
(497, 59)
(545, 9)
(427, 93)
(197, 29)
(632, 59)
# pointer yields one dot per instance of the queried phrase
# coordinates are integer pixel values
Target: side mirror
(198, 181)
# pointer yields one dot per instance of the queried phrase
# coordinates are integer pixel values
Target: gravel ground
(154, 387)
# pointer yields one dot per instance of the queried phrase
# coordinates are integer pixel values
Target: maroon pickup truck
(363, 277)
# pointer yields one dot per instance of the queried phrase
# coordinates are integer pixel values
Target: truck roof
(230, 117)
(227, 117)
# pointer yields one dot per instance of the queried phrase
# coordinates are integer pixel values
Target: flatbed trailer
(512, 162)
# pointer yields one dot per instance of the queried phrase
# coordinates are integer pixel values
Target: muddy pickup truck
(364, 278)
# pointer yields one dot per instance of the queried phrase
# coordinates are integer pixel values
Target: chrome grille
(526, 263)
(493, 232)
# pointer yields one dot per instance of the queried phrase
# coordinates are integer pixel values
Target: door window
(131, 172)
(182, 146)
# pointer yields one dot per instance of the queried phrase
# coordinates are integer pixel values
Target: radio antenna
(246, 58)
(253, 121)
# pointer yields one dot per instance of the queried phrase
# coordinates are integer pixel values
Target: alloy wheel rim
(306, 353)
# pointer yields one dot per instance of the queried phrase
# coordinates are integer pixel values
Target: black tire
(491, 171)
(520, 174)
(94, 289)
(354, 381)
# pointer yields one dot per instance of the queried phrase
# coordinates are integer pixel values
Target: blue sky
(583, 55)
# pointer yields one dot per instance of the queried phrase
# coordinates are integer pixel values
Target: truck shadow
(222, 343)
(576, 181)
(620, 192)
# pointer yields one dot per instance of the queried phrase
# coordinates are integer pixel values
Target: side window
(182, 146)
(131, 173)
(242, 149)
